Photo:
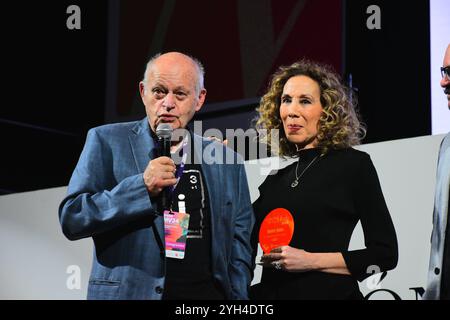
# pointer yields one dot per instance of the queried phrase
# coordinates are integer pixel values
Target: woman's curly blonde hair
(339, 126)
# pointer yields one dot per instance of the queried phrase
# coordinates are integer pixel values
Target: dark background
(57, 82)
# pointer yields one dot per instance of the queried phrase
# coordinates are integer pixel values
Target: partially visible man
(114, 191)
(439, 269)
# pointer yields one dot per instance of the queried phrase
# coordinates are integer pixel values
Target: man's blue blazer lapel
(142, 145)
(144, 149)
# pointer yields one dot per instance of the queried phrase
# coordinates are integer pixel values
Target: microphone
(164, 134)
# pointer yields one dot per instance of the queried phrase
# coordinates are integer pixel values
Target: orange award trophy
(276, 229)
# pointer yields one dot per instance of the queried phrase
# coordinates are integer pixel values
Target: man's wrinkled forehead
(172, 79)
(175, 74)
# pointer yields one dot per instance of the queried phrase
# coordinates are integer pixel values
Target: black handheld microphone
(164, 134)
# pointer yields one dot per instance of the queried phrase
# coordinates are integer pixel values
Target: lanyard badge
(176, 224)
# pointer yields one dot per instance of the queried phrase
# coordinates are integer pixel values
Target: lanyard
(180, 168)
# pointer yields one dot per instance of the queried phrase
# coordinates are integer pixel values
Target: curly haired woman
(327, 191)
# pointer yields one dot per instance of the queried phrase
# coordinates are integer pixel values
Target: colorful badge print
(276, 229)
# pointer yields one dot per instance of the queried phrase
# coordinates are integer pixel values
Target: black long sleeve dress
(334, 193)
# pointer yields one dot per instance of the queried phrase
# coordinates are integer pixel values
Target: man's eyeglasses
(445, 72)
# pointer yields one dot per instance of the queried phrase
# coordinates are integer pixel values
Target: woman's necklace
(295, 182)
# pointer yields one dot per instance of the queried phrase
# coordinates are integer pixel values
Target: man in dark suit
(114, 191)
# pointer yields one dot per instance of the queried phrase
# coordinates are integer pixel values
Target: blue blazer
(108, 201)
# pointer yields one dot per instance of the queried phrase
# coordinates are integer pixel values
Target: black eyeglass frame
(445, 72)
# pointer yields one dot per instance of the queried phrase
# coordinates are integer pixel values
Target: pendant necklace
(297, 178)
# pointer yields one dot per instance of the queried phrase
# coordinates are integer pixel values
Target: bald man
(439, 269)
(199, 247)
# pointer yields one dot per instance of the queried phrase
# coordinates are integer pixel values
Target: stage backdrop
(37, 262)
